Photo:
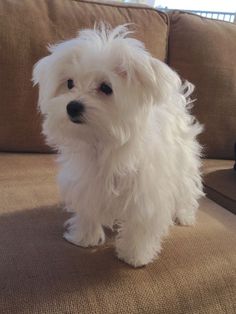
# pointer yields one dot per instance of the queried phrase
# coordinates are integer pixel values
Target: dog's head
(100, 86)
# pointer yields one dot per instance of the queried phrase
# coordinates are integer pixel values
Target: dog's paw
(186, 219)
(83, 235)
(134, 257)
(134, 261)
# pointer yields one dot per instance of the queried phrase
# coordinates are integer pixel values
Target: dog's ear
(168, 86)
(154, 77)
(39, 71)
(165, 82)
(134, 66)
(40, 77)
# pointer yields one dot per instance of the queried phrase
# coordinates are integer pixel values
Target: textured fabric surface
(203, 51)
(26, 28)
(220, 182)
(42, 273)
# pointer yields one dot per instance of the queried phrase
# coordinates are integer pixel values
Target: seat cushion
(203, 51)
(42, 273)
(220, 182)
(26, 29)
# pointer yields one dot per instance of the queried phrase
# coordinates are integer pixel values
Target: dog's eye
(70, 84)
(105, 89)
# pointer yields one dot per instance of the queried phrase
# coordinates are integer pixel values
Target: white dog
(128, 154)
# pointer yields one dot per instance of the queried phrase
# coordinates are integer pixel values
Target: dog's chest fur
(98, 179)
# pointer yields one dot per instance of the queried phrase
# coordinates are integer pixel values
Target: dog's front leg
(84, 231)
(138, 241)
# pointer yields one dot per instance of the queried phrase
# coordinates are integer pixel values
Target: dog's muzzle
(75, 110)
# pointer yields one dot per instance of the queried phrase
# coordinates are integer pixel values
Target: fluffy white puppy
(128, 153)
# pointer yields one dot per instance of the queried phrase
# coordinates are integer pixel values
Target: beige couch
(42, 273)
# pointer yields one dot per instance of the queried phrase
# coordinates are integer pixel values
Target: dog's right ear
(39, 70)
(40, 77)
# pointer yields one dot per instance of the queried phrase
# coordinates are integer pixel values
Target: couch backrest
(204, 52)
(27, 27)
(200, 50)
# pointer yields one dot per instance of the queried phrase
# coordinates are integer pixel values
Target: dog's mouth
(77, 120)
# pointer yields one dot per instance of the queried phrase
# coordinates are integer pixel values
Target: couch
(42, 273)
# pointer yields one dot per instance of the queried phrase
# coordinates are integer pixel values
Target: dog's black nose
(75, 109)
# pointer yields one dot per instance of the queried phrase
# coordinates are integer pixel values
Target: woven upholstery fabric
(203, 51)
(42, 273)
(27, 27)
(220, 182)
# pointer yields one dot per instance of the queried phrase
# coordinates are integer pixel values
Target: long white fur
(136, 160)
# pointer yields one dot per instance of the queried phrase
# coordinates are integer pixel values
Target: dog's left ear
(165, 82)
(155, 78)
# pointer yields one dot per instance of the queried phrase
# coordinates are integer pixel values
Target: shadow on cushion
(42, 273)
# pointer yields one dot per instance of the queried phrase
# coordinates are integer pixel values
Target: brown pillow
(27, 27)
(203, 51)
